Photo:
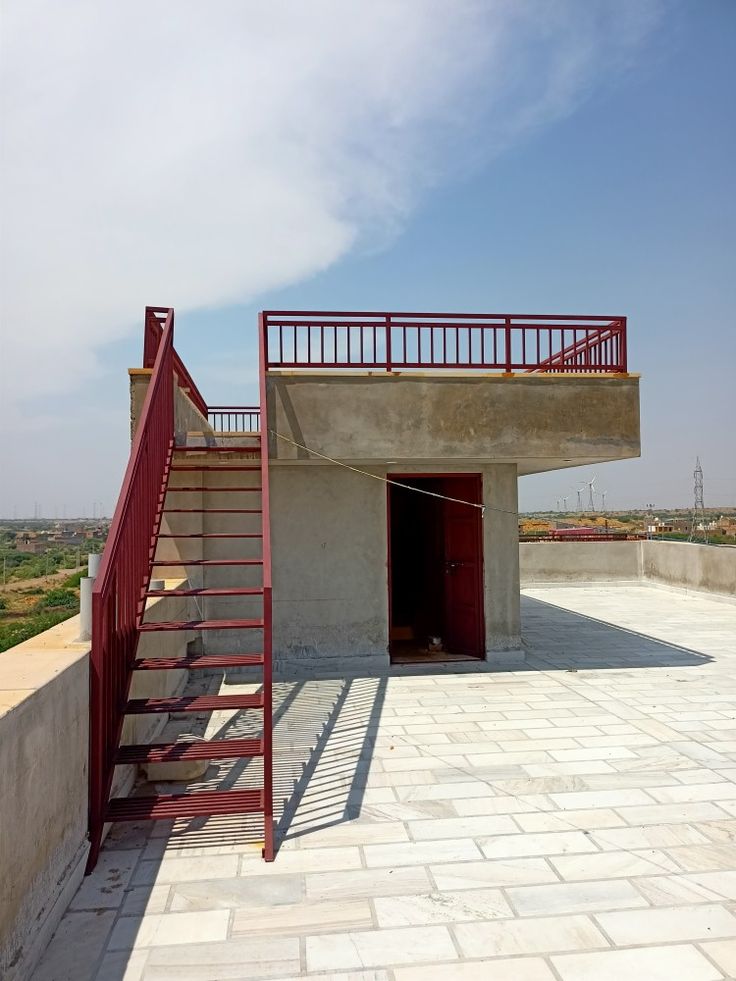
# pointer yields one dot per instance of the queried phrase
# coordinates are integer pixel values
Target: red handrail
(155, 317)
(118, 595)
(268, 845)
(404, 341)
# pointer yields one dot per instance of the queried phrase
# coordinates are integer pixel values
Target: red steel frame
(403, 341)
(118, 594)
(268, 843)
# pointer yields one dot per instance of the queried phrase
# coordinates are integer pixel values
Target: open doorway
(435, 569)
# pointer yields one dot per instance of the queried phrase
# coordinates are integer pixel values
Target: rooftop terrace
(573, 818)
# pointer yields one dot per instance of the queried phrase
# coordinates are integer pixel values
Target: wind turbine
(603, 500)
(580, 499)
(558, 504)
(591, 499)
(564, 504)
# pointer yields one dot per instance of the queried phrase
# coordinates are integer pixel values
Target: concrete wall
(330, 575)
(705, 568)
(579, 561)
(539, 422)
(683, 565)
(44, 716)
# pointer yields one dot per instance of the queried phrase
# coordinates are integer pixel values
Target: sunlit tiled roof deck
(571, 818)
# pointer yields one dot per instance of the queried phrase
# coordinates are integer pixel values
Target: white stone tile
(695, 792)
(680, 962)
(306, 917)
(676, 890)
(552, 843)
(584, 820)
(514, 969)
(255, 890)
(367, 883)
(543, 935)
(421, 853)
(235, 960)
(169, 870)
(106, 888)
(575, 897)
(509, 872)
(649, 836)
(75, 948)
(123, 965)
(441, 907)
(669, 925)
(462, 827)
(723, 952)
(379, 948)
(599, 753)
(705, 858)
(613, 865)
(505, 804)
(145, 899)
(305, 860)
(672, 813)
(600, 798)
(167, 929)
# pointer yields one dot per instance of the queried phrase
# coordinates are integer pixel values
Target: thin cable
(395, 483)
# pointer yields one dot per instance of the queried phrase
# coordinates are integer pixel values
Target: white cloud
(196, 154)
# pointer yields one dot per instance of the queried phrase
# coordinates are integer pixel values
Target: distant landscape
(41, 563)
(717, 525)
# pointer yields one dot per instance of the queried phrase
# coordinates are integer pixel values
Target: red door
(463, 591)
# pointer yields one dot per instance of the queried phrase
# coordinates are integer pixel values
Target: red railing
(155, 319)
(405, 341)
(234, 418)
(118, 595)
(268, 845)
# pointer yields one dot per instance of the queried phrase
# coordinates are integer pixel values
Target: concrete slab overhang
(537, 421)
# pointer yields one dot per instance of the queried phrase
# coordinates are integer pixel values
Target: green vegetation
(16, 631)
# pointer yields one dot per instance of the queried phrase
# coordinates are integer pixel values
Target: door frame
(478, 477)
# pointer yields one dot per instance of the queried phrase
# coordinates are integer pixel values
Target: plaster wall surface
(330, 576)
(705, 568)
(682, 565)
(579, 561)
(44, 726)
(539, 422)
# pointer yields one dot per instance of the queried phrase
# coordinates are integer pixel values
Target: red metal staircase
(123, 588)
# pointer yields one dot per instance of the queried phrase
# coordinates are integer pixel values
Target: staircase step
(223, 468)
(217, 535)
(207, 490)
(200, 803)
(193, 703)
(217, 449)
(173, 562)
(209, 591)
(213, 511)
(215, 749)
(147, 628)
(194, 662)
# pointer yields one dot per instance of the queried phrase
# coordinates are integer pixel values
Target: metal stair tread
(214, 749)
(194, 662)
(225, 624)
(209, 591)
(213, 511)
(194, 703)
(198, 803)
(173, 562)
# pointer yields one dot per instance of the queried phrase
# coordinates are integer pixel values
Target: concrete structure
(329, 525)
(683, 565)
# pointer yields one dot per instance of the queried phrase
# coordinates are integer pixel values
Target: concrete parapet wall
(44, 734)
(541, 562)
(705, 568)
(683, 565)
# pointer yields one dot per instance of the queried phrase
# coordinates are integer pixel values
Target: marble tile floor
(572, 818)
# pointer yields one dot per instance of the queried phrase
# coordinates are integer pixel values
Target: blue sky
(621, 203)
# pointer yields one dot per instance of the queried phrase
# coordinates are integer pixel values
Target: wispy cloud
(196, 154)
